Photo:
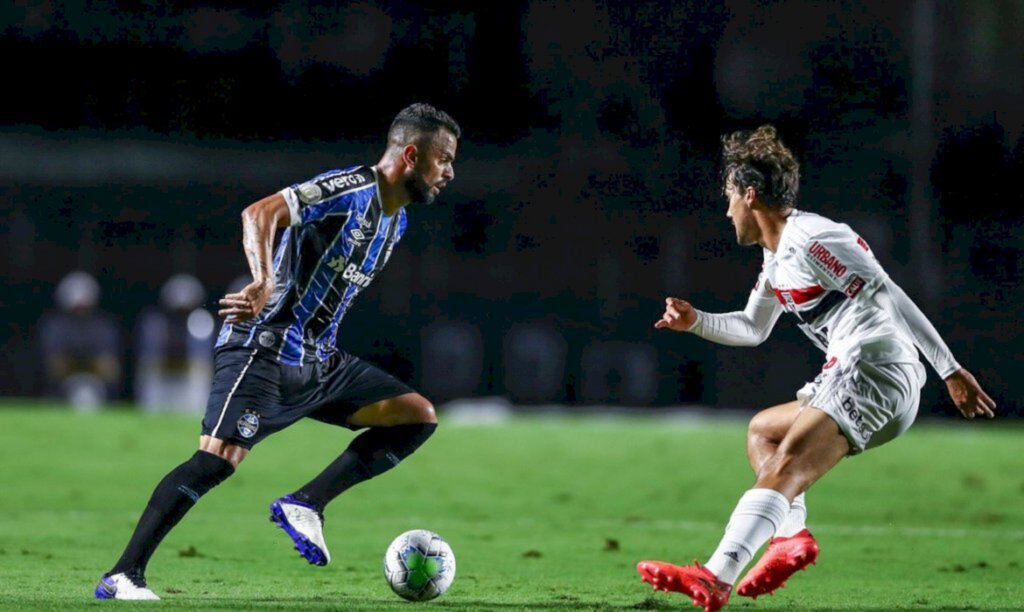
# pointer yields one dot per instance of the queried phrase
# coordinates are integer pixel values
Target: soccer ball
(419, 565)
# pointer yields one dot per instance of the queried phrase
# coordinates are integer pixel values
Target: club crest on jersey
(309, 193)
(248, 424)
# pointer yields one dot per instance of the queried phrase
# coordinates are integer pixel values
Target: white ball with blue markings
(419, 565)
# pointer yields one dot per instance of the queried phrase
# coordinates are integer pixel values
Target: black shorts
(254, 395)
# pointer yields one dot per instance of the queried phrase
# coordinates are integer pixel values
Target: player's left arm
(968, 396)
(842, 261)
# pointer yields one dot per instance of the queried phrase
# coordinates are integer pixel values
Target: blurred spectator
(80, 344)
(620, 373)
(453, 359)
(535, 354)
(175, 349)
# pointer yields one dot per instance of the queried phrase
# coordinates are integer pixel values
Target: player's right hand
(247, 303)
(679, 315)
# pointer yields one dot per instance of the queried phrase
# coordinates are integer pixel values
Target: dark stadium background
(132, 135)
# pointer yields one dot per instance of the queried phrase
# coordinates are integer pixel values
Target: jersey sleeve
(330, 193)
(905, 312)
(748, 327)
(842, 260)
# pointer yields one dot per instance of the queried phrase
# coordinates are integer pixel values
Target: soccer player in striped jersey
(277, 358)
(868, 390)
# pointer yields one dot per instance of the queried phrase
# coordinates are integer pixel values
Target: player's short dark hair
(758, 159)
(417, 120)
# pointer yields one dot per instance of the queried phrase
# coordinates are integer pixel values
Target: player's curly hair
(420, 119)
(758, 159)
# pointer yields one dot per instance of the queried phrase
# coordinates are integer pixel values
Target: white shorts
(871, 403)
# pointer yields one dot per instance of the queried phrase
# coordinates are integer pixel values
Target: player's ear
(410, 154)
(750, 196)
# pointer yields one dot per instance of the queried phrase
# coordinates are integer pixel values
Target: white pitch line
(682, 525)
(670, 525)
(857, 530)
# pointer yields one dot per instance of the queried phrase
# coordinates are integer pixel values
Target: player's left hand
(970, 399)
(247, 303)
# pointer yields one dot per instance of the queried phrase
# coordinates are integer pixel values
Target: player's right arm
(260, 222)
(748, 327)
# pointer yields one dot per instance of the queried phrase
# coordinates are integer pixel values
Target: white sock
(756, 518)
(796, 520)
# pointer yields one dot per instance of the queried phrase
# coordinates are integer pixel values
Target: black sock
(372, 453)
(173, 497)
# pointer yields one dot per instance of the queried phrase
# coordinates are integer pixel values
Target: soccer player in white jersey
(868, 390)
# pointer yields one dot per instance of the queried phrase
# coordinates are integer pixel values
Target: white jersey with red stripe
(825, 274)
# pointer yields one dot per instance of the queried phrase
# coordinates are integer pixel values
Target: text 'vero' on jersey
(338, 241)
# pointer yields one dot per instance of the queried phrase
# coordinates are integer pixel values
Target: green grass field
(548, 514)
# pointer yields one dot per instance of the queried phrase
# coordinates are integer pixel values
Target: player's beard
(418, 189)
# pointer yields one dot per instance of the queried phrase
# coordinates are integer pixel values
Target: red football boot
(783, 558)
(694, 581)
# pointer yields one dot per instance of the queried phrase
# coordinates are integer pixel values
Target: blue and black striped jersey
(339, 239)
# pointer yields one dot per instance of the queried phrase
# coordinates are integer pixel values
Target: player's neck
(393, 195)
(772, 225)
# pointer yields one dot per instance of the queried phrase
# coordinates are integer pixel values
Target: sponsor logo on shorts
(248, 424)
(854, 415)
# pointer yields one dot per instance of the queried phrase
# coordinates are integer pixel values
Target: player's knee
(762, 429)
(413, 409)
(758, 426)
(424, 413)
(231, 453)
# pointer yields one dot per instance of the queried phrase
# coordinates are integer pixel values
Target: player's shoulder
(333, 183)
(808, 227)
